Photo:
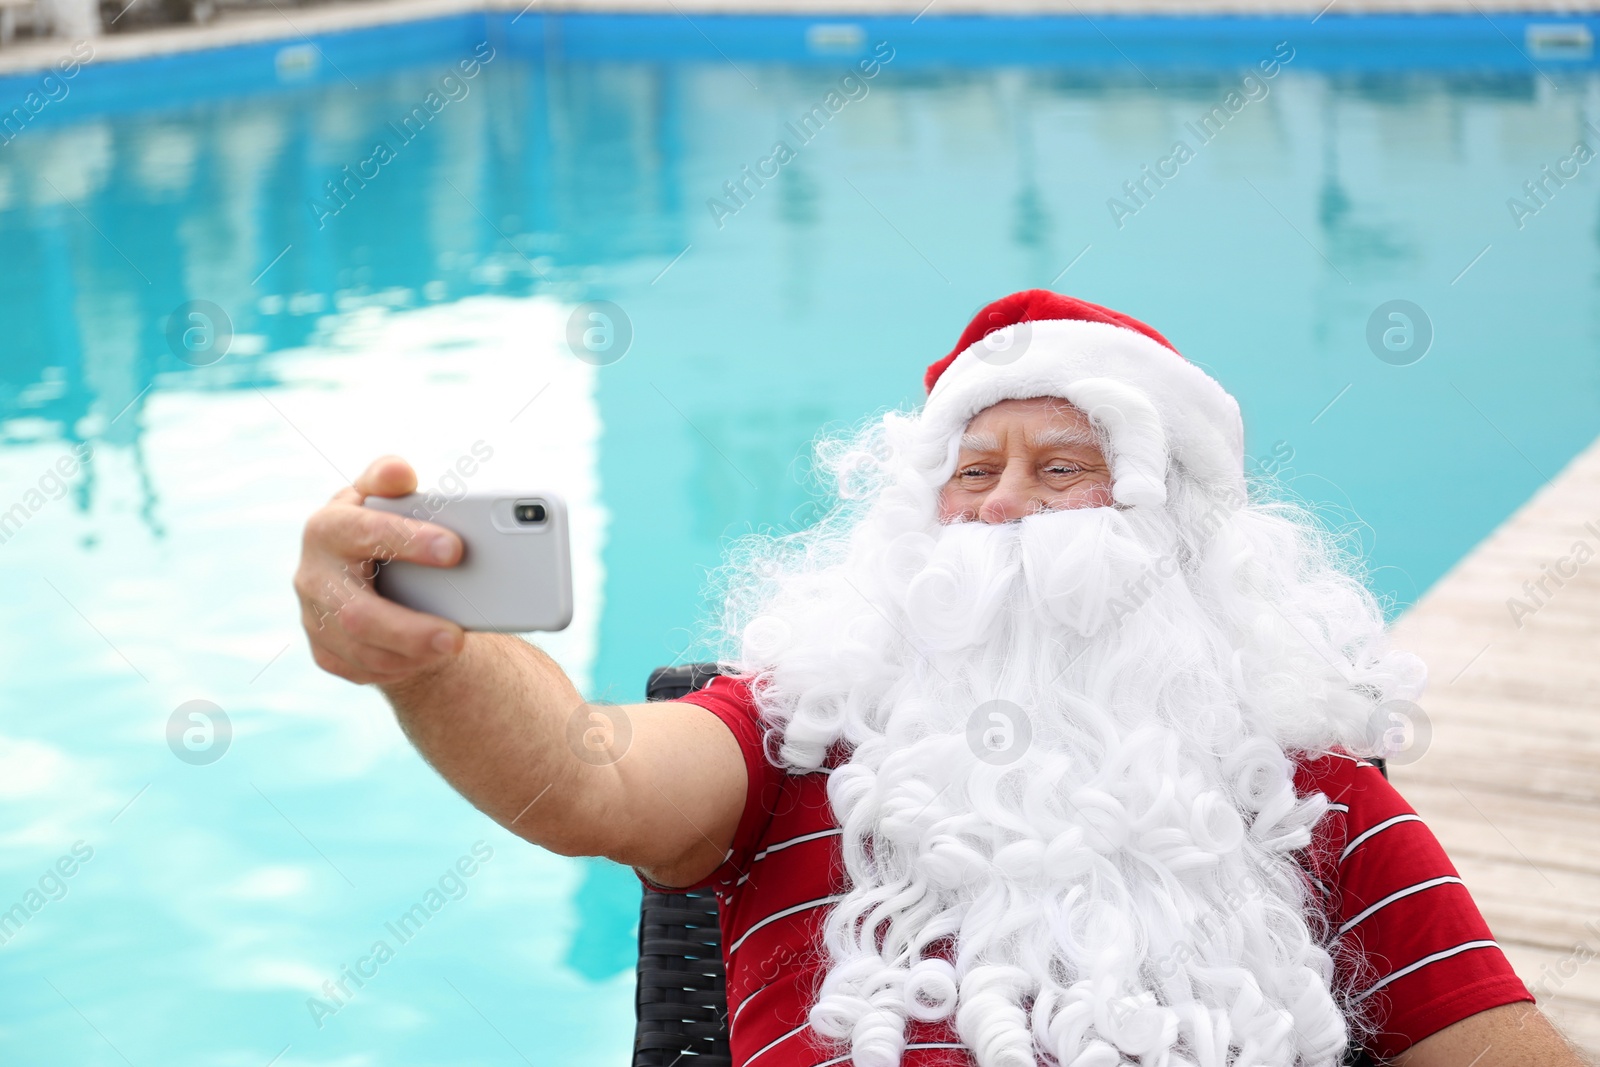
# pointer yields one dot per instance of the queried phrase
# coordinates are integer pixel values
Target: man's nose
(1014, 496)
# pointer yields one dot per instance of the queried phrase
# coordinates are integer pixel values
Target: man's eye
(1064, 470)
(975, 472)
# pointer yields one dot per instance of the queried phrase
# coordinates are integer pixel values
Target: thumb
(387, 476)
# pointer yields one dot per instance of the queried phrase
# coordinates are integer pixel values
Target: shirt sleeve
(1414, 952)
(730, 700)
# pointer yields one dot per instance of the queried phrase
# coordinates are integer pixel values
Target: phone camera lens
(530, 514)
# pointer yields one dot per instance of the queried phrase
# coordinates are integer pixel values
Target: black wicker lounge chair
(681, 1004)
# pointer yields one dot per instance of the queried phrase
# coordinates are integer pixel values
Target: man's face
(1019, 457)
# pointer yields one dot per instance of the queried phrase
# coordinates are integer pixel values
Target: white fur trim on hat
(1183, 414)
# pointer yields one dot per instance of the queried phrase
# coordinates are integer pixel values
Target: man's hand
(354, 632)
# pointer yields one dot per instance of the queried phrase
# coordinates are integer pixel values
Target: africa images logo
(451, 885)
(451, 89)
(849, 88)
(1251, 89)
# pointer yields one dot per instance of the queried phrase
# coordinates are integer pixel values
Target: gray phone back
(515, 575)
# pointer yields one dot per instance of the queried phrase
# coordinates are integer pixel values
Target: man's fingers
(346, 495)
(387, 629)
(355, 633)
(348, 671)
(362, 627)
(360, 533)
(378, 640)
(384, 476)
(387, 476)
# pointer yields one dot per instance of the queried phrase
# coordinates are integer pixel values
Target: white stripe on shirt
(1423, 962)
(743, 1003)
(1399, 895)
(780, 914)
(770, 849)
(775, 1041)
(1378, 829)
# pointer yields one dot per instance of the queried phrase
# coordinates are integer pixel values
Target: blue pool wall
(1367, 43)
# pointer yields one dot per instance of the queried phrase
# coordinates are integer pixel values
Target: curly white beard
(1068, 812)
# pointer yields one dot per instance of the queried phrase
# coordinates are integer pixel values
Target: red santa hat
(1154, 407)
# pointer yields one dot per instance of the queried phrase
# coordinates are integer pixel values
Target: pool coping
(237, 26)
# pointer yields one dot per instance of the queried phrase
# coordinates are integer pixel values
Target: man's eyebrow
(1064, 437)
(979, 442)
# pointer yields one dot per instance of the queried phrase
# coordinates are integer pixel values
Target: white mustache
(964, 585)
(1079, 566)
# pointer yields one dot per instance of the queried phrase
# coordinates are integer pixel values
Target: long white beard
(1053, 769)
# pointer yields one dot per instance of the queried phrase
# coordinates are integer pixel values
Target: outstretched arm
(656, 787)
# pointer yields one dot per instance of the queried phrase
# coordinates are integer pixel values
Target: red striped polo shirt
(1415, 952)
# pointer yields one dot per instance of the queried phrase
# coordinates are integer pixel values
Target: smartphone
(515, 573)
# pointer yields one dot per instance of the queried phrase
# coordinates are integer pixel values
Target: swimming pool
(419, 300)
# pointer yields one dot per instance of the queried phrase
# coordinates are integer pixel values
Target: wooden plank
(1572, 978)
(1545, 831)
(1510, 782)
(1483, 756)
(1519, 902)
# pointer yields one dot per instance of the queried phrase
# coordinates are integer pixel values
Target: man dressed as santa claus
(1043, 748)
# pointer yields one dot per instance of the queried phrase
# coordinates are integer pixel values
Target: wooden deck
(1510, 782)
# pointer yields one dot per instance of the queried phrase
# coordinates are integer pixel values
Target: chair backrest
(681, 1005)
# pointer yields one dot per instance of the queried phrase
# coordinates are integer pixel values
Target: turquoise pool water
(181, 907)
